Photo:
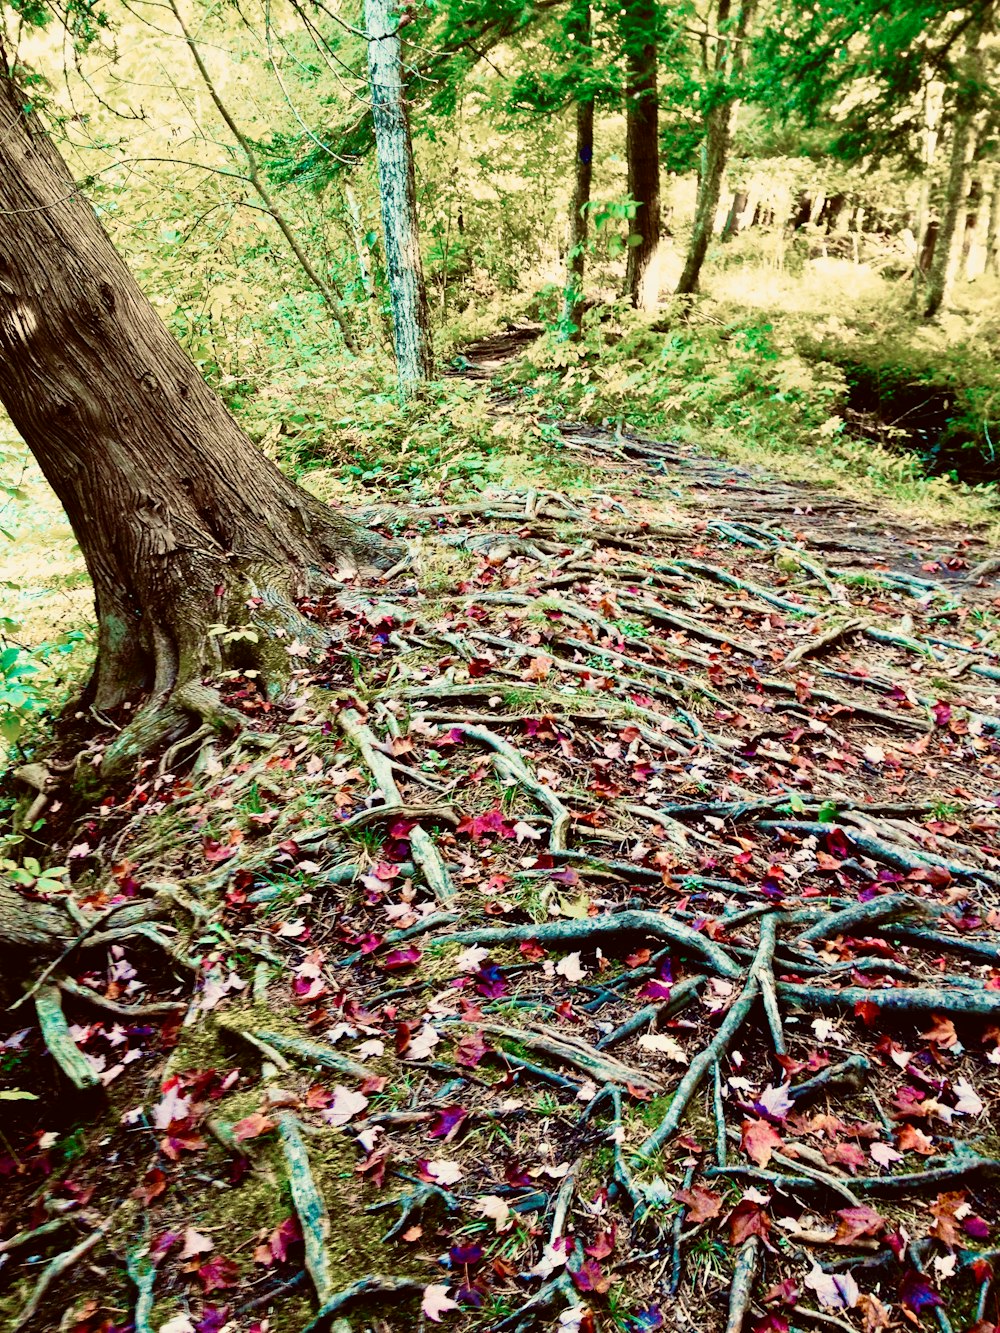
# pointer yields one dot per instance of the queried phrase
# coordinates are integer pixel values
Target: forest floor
(604, 934)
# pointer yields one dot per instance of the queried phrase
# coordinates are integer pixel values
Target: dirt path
(604, 936)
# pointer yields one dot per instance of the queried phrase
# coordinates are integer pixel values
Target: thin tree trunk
(729, 66)
(933, 103)
(578, 221)
(183, 524)
(398, 189)
(642, 149)
(992, 258)
(332, 299)
(969, 95)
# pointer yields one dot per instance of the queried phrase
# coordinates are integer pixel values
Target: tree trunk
(398, 189)
(576, 253)
(991, 261)
(730, 61)
(183, 524)
(736, 209)
(967, 100)
(642, 149)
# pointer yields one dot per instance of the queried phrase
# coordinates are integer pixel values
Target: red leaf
(252, 1127)
(218, 1273)
(857, 1222)
(471, 1049)
(748, 1219)
(702, 1204)
(759, 1140)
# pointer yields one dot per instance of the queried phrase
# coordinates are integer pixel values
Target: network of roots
(601, 935)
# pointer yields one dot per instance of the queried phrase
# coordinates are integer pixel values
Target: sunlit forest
(499, 665)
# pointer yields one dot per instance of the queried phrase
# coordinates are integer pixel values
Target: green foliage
(32, 682)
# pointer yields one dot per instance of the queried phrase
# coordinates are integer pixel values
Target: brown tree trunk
(183, 524)
(576, 254)
(730, 61)
(642, 149)
(968, 98)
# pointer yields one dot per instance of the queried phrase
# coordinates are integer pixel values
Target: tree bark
(730, 61)
(642, 149)
(968, 98)
(398, 190)
(991, 261)
(578, 220)
(183, 524)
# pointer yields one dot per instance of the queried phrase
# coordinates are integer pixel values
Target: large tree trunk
(944, 265)
(398, 188)
(642, 148)
(576, 254)
(183, 524)
(730, 61)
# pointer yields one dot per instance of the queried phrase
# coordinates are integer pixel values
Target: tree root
(700, 1065)
(60, 1045)
(741, 1290)
(54, 1269)
(309, 1206)
(578, 1054)
(598, 927)
(410, 1203)
(425, 854)
(510, 761)
(372, 1286)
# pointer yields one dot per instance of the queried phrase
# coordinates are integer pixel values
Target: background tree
(638, 28)
(398, 190)
(723, 57)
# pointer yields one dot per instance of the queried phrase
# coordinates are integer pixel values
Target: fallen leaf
(702, 1204)
(834, 1291)
(664, 1045)
(569, 967)
(437, 1302)
(195, 1243)
(345, 1105)
(495, 1208)
(759, 1140)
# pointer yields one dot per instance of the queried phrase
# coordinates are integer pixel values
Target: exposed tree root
(550, 1003)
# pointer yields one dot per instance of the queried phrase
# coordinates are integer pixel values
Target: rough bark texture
(180, 519)
(638, 31)
(991, 263)
(576, 254)
(398, 189)
(730, 60)
(944, 265)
